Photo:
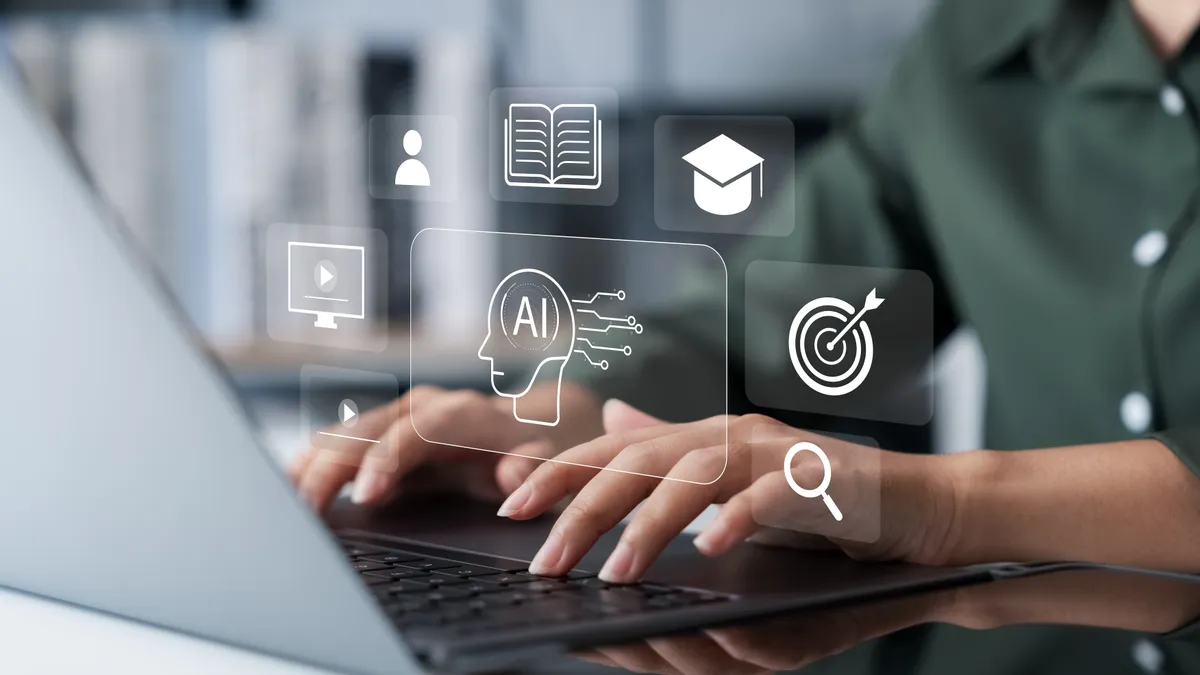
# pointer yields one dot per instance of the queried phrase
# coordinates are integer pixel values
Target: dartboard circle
(862, 352)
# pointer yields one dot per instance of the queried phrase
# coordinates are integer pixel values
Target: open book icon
(557, 147)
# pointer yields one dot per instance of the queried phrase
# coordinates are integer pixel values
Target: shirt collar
(1084, 44)
(991, 34)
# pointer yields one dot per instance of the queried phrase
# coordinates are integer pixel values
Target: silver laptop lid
(131, 481)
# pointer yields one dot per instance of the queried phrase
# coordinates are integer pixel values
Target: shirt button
(1172, 100)
(1147, 655)
(1149, 248)
(1136, 412)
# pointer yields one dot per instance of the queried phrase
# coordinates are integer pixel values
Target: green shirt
(1021, 154)
(1018, 154)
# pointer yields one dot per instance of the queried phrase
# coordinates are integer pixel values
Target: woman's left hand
(895, 506)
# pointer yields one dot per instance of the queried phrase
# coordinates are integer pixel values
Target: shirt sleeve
(853, 207)
(1185, 443)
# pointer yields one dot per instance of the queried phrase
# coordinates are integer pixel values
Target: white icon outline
(822, 490)
(725, 323)
(864, 347)
(326, 319)
(549, 180)
(533, 377)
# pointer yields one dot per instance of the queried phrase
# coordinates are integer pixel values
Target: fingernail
(616, 569)
(711, 541)
(366, 486)
(548, 558)
(515, 501)
(613, 406)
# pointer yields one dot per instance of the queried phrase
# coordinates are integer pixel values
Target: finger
(676, 502)
(521, 461)
(604, 500)
(735, 522)
(299, 464)
(662, 447)
(620, 416)
(402, 449)
(398, 453)
(324, 477)
(599, 506)
(316, 471)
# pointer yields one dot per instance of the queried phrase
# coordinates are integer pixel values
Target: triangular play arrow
(325, 275)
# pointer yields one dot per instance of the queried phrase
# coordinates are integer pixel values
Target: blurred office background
(203, 121)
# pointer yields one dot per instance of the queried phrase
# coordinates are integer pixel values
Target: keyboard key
(478, 587)
(445, 594)
(700, 597)
(666, 601)
(544, 585)
(438, 581)
(505, 578)
(372, 580)
(655, 589)
(505, 598)
(391, 558)
(367, 566)
(468, 571)
(590, 582)
(402, 586)
(361, 549)
(573, 574)
(404, 605)
(622, 597)
(429, 564)
(397, 573)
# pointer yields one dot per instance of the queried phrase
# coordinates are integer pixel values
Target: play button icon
(325, 275)
(348, 412)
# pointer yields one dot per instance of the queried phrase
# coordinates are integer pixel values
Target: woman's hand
(895, 506)
(402, 459)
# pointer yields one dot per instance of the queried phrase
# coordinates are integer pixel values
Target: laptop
(134, 484)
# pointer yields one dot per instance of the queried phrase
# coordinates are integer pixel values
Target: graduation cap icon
(723, 181)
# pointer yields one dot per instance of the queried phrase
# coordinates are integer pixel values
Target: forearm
(1129, 503)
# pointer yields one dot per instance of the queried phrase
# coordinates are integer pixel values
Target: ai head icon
(530, 338)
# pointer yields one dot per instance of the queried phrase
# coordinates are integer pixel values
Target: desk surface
(42, 636)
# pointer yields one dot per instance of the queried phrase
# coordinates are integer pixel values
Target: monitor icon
(327, 280)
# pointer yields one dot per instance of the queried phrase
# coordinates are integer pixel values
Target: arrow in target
(869, 304)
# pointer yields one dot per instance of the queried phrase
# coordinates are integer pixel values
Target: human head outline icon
(529, 315)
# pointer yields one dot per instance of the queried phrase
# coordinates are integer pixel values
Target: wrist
(967, 477)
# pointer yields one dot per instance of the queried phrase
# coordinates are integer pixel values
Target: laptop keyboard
(428, 597)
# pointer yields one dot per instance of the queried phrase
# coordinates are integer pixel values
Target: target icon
(830, 344)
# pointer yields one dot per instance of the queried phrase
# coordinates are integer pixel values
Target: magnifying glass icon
(822, 489)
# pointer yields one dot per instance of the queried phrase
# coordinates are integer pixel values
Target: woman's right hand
(402, 459)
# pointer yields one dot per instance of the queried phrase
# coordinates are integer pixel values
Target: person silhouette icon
(412, 171)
